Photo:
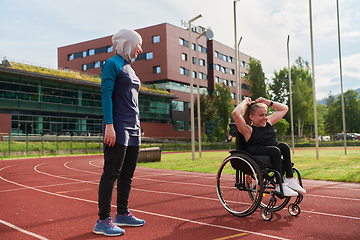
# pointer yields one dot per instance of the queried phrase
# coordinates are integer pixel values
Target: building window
(109, 49)
(217, 67)
(71, 57)
(84, 67)
(201, 62)
(156, 69)
(179, 125)
(193, 47)
(178, 105)
(84, 54)
(183, 42)
(149, 55)
(184, 56)
(194, 60)
(66, 69)
(182, 71)
(91, 52)
(233, 95)
(217, 79)
(97, 64)
(201, 75)
(156, 39)
(194, 74)
(225, 82)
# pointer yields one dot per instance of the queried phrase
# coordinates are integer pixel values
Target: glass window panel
(149, 55)
(71, 57)
(109, 49)
(156, 39)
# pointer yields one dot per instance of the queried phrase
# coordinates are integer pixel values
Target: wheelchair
(246, 183)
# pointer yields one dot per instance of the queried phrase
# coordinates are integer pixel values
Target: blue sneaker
(108, 228)
(128, 220)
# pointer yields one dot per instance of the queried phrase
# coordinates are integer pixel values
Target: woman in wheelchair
(255, 125)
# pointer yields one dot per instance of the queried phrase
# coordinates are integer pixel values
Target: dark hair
(250, 110)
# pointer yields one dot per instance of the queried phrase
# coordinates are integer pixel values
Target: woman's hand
(263, 100)
(247, 101)
(110, 135)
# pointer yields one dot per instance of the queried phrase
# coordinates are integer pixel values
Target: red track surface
(56, 198)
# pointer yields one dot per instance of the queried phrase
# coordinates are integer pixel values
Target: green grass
(333, 164)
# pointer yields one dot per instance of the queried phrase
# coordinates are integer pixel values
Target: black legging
(119, 166)
(275, 152)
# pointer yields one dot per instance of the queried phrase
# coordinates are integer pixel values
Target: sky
(31, 31)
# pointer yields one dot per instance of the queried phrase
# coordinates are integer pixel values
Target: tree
(301, 91)
(256, 78)
(207, 110)
(281, 127)
(330, 117)
(321, 113)
(352, 111)
(224, 104)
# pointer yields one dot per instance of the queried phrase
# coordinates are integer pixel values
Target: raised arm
(280, 112)
(243, 128)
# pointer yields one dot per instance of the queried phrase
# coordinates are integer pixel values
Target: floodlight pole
(192, 90)
(341, 82)
(236, 58)
(198, 91)
(239, 72)
(313, 84)
(290, 97)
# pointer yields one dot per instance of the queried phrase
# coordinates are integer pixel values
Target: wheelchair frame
(245, 182)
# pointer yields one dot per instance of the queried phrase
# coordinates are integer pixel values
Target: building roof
(71, 77)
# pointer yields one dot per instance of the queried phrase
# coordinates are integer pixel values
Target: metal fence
(29, 145)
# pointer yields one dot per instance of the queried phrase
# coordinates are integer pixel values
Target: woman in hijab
(122, 135)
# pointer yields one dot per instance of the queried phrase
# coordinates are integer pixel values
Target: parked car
(356, 135)
(324, 138)
(340, 136)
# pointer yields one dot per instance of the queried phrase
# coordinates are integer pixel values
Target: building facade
(165, 62)
(35, 103)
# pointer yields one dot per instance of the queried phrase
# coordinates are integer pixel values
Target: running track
(56, 198)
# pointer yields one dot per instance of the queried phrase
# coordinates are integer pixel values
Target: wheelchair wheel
(237, 177)
(294, 209)
(266, 214)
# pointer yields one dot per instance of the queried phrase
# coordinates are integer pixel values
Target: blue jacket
(119, 93)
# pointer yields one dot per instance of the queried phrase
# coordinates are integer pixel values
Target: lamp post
(290, 97)
(236, 59)
(198, 91)
(313, 84)
(239, 72)
(192, 90)
(341, 82)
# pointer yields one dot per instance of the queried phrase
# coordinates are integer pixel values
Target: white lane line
(145, 212)
(212, 199)
(204, 185)
(23, 230)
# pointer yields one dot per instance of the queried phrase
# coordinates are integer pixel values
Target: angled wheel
(236, 178)
(294, 209)
(266, 214)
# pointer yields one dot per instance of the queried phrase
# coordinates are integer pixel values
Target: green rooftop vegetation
(76, 75)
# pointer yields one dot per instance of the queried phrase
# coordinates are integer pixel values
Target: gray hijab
(125, 42)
